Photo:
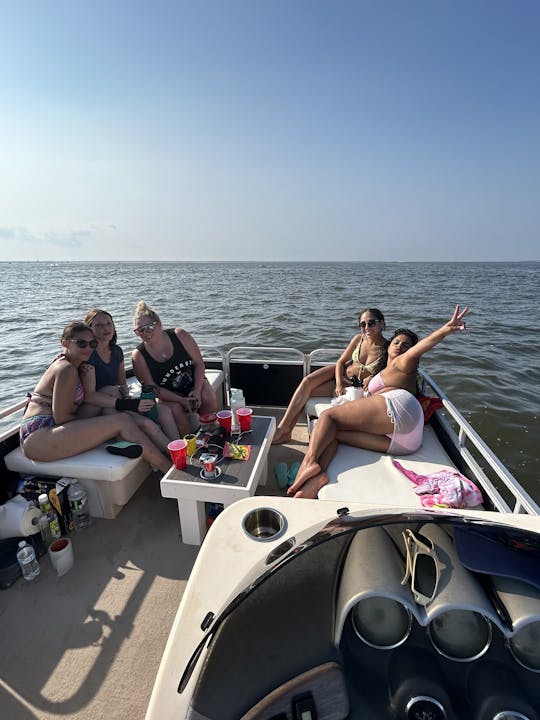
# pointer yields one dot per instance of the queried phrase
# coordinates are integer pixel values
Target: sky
(270, 130)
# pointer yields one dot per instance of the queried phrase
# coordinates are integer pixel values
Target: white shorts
(407, 417)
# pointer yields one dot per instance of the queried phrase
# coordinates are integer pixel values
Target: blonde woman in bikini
(364, 357)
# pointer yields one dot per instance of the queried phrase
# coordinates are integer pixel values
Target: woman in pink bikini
(388, 420)
(364, 356)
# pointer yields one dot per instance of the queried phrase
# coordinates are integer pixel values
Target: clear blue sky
(275, 130)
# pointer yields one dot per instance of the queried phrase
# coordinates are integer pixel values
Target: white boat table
(238, 479)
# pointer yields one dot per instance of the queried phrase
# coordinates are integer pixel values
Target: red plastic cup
(225, 419)
(244, 418)
(178, 453)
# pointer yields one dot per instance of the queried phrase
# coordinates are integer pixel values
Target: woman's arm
(408, 362)
(122, 381)
(63, 394)
(344, 358)
(92, 396)
(193, 351)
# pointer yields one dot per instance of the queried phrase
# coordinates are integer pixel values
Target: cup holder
(264, 524)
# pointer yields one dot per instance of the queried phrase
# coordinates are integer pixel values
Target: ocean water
(491, 372)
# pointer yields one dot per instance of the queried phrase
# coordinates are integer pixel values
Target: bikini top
(45, 400)
(375, 384)
(371, 367)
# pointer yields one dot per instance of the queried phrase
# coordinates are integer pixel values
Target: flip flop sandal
(293, 472)
(125, 449)
(280, 471)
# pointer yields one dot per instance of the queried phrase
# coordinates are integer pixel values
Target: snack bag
(236, 452)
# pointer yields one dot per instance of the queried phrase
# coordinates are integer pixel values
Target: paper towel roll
(18, 518)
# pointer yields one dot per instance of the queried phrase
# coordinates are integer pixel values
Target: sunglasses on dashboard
(421, 567)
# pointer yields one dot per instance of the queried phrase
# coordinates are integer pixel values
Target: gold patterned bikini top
(373, 367)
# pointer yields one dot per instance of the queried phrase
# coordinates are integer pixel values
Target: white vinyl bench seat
(109, 480)
(369, 477)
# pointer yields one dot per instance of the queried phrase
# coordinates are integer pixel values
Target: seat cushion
(96, 464)
(369, 477)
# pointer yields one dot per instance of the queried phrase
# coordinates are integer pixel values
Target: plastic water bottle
(148, 393)
(26, 558)
(237, 400)
(48, 523)
(78, 502)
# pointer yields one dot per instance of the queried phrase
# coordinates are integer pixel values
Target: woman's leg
(153, 430)
(180, 417)
(87, 410)
(208, 399)
(166, 420)
(319, 383)
(361, 423)
(64, 441)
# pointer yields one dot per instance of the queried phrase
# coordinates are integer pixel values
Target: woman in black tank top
(171, 361)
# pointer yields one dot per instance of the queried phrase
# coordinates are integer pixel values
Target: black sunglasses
(370, 323)
(85, 343)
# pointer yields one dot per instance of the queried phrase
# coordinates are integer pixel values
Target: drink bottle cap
(22, 543)
(43, 498)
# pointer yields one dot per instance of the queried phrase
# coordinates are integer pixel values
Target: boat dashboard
(407, 620)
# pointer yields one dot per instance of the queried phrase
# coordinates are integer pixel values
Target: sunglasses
(144, 328)
(421, 567)
(85, 343)
(368, 323)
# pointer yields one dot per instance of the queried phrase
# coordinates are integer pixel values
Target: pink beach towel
(443, 489)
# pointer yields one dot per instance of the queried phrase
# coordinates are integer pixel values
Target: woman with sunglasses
(363, 358)
(389, 419)
(51, 428)
(172, 362)
(104, 382)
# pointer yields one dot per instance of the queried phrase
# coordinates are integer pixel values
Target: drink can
(209, 464)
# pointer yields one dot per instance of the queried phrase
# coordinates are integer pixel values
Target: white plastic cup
(61, 554)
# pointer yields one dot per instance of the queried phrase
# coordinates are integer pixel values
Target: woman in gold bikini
(363, 358)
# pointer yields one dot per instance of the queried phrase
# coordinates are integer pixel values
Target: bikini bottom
(31, 424)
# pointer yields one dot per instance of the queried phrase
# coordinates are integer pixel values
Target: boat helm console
(334, 626)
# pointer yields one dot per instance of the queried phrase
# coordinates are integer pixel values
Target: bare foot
(281, 436)
(312, 486)
(304, 473)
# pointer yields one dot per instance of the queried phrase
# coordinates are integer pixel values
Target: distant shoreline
(272, 262)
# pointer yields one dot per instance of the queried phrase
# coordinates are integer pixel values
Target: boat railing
(459, 435)
(265, 355)
(11, 410)
(463, 432)
(465, 440)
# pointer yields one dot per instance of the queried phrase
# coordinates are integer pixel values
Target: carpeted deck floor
(88, 645)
